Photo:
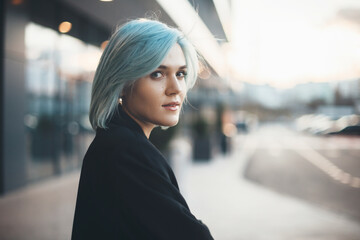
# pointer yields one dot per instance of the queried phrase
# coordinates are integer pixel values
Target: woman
(127, 190)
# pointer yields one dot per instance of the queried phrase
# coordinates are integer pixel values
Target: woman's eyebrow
(165, 67)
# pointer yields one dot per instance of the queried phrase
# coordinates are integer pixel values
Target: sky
(286, 42)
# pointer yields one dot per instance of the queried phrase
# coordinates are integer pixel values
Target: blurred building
(49, 50)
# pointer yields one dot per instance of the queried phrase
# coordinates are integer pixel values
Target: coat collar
(120, 117)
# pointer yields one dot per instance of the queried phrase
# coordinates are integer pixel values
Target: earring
(120, 101)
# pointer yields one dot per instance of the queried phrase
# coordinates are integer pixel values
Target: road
(322, 170)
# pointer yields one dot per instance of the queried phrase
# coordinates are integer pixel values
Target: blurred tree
(314, 104)
(340, 100)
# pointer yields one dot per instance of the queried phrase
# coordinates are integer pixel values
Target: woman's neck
(146, 127)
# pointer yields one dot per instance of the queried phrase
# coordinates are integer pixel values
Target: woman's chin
(171, 123)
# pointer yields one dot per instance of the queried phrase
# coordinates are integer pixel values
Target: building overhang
(178, 13)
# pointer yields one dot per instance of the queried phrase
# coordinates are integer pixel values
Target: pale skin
(156, 99)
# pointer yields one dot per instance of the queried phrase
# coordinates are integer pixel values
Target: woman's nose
(173, 86)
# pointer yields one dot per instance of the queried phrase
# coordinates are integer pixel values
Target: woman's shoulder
(122, 143)
(121, 148)
(114, 146)
(124, 139)
(116, 137)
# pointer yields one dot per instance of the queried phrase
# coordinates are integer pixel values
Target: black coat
(127, 190)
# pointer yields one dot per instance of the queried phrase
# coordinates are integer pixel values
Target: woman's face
(156, 99)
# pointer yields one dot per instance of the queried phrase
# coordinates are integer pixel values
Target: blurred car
(323, 124)
(242, 127)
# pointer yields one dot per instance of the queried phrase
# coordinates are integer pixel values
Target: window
(59, 72)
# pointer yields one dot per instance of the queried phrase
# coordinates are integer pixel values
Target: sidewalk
(42, 211)
(237, 209)
(232, 207)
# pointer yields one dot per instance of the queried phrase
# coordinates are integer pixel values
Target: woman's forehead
(175, 58)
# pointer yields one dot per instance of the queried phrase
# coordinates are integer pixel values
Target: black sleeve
(153, 206)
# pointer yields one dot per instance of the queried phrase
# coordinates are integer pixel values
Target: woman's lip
(171, 104)
(174, 106)
(171, 107)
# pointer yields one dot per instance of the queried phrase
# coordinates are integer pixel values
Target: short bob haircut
(135, 49)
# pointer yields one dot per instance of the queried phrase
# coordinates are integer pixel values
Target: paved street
(266, 190)
(323, 170)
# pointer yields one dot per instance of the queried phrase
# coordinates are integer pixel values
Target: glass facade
(58, 76)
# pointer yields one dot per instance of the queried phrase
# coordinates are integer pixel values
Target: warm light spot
(104, 44)
(106, 0)
(65, 27)
(229, 130)
(16, 2)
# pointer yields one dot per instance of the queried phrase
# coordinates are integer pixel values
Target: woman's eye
(181, 74)
(156, 75)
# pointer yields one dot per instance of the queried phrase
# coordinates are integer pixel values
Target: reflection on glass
(58, 85)
(17, 2)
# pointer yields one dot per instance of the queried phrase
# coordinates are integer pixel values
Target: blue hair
(135, 49)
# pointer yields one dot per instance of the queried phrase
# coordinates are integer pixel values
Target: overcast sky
(285, 42)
